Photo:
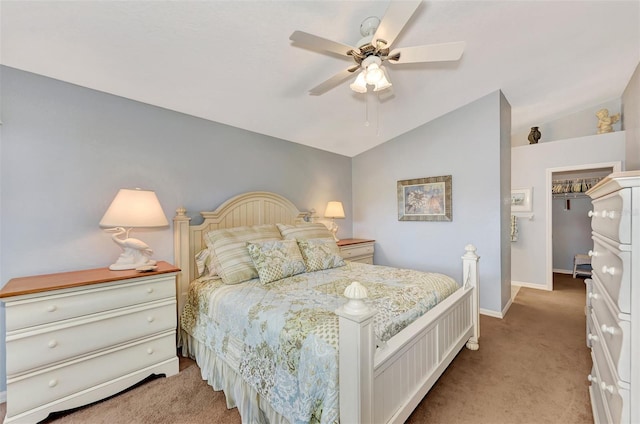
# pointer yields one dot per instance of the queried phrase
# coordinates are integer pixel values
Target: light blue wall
(468, 144)
(631, 120)
(66, 150)
(531, 264)
(571, 230)
(2, 311)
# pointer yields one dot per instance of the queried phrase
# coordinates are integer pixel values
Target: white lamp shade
(359, 85)
(334, 210)
(373, 74)
(134, 208)
(383, 83)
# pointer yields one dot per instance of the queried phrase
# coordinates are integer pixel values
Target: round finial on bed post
(470, 252)
(355, 292)
(181, 211)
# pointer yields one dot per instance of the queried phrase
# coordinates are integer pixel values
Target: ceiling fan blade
(395, 18)
(314, 42)
(333, 81)
(429, 53)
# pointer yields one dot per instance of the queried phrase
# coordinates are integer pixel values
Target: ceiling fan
(375, 49)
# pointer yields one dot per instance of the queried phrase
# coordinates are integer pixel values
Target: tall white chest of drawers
(77, 337)
(613, 299)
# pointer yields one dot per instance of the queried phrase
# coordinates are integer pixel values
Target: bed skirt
(253, 408)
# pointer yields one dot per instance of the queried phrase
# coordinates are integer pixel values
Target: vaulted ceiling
(232, 61)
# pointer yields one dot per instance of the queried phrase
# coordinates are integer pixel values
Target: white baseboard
(507, 306)
(490, 313)
(3, 397)
(529, 285)
(563, 271)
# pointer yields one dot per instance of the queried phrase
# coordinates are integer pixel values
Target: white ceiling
(232, 61)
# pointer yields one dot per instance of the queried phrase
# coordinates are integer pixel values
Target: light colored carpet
(531, 368)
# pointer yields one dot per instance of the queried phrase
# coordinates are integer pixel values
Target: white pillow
(204, 264)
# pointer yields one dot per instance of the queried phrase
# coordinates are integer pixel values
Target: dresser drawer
(615, 398)
(611, 216)
(39, 388)
(612, 268)
(600, 414)
(63, 304)
(30, 350)
(355, 251)
(592, 335)
(613, 335)
(365, 260)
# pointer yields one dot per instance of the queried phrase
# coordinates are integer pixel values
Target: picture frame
(521, 199)
(425, 199)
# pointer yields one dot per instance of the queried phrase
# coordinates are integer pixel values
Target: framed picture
(425, 199)
(521, 200)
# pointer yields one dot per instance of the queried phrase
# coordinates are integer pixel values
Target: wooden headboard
(253, 208)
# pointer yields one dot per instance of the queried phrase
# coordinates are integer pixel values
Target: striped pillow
(304, 231)
(229, 250)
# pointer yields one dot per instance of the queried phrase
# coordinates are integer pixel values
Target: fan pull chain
(378, 105)
(366, 109)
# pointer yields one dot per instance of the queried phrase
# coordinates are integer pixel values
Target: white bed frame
(382, 384)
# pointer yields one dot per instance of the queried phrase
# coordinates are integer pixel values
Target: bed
(374, 369)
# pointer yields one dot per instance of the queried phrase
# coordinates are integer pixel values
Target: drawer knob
(150, 351)
(592, 214)
(53, 382)
(52, 344)
(593, 337)
(608, 270)
(594, 296)
(606, 387)
(592, 378)
(609, 329)
(150, 290)
(51, 308)
(150, 319)
(592, 253)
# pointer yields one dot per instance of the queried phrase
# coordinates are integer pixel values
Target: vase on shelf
(534, 135)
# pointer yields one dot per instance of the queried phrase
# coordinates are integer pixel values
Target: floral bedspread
(282, 337)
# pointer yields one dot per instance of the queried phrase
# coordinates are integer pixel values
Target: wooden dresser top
(46, 282)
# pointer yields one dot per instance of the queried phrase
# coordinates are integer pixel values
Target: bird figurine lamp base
(333, 228)
(124, 263)
(135, 253)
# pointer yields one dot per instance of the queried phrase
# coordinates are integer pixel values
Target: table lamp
(133, 208)
(334, 210)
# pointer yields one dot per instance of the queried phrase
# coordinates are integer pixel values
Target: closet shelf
(570, 196)
(573, 188)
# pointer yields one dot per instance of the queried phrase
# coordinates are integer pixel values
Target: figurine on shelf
(534, 135)
(605, 121)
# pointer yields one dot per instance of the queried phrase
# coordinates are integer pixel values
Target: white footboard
(386, 384)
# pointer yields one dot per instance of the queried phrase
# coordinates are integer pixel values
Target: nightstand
(357, 250)
(77, 337)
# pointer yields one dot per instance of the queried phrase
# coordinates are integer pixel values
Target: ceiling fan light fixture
(359, 85)
(383, 84)
(373, 74)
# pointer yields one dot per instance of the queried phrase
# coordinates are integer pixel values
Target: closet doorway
(568, 229)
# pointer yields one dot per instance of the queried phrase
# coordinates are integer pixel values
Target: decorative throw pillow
(275, 260)
(304, 231)
(322, 253)
(204, 264)
(230, 256)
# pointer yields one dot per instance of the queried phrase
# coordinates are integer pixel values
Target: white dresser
(613, 299)
(357, 250)
(77, 337)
